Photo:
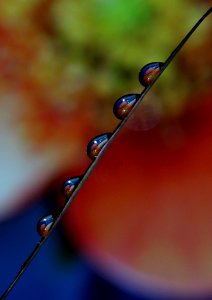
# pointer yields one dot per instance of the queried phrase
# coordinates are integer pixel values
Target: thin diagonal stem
(95, 162)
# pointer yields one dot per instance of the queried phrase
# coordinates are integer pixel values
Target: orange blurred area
(144, 215)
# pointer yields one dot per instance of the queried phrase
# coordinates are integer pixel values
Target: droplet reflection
(149, 72)
(96, 145)
(123, 105)
(44, 225)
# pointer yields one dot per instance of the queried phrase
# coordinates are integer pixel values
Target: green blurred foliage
(102, 44)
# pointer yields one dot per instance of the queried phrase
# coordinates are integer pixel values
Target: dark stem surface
(93, 164)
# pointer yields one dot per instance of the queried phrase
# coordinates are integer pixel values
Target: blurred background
(141, 226)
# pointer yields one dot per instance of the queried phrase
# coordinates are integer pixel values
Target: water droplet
(69, 186)
(96, 145)
(44, 225)
(123, 105)
(149, 72)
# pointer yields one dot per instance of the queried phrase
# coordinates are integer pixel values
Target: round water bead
(96, 145)
(123, 105)
(149, 72)
(44, 225)
(69, 186)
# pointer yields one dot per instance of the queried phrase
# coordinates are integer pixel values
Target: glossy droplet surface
(96, 145)
(69, 186)
(149, 72)
(123, 105)
(44, 225)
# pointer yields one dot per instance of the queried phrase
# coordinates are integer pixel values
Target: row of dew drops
(121, 109)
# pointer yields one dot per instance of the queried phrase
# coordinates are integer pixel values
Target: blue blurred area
(52, 275)
(48, 276)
